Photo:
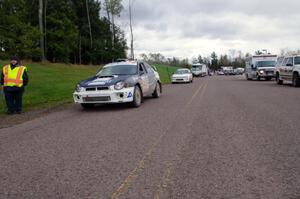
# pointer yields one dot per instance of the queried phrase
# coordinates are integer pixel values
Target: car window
(279, 61)
(297, 61)
(117, 70)
(284, 61)
(149, 68)
(142, 68)
(290, 62)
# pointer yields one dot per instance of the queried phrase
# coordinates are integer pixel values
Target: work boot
(9, 112)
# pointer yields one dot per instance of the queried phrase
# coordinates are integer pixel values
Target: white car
(182, 75)
(120, 82)
(289, 71)
(220, 73)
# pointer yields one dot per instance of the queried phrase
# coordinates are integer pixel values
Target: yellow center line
(140, 166)
(165, 181)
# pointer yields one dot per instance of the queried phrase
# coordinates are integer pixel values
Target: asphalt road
(218, 138)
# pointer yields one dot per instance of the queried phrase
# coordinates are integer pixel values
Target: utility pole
(42, 42)
(131, 32)
(89, 22)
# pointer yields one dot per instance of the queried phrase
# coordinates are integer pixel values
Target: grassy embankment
(53, 84)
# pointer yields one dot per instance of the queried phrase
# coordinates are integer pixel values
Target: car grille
(97, 89)
(97, 99)
(102, 88)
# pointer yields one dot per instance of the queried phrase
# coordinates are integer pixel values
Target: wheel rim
(158, 89)
(294, 80)
(138, 97)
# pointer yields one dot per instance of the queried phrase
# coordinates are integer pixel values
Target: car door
(282, 69)
(152, 77)
(143, 79)
(289, 68)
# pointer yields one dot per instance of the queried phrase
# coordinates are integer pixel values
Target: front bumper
(178, 80)
(196, 73)
(266, 74)
(124, 95)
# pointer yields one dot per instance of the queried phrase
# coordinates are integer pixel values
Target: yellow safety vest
(13, 77)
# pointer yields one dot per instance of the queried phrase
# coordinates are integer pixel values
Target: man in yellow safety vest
(14, 78)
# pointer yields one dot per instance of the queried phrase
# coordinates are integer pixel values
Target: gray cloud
(190, 27)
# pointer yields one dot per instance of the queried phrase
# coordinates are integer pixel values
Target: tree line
(214, 62)
(70, 31)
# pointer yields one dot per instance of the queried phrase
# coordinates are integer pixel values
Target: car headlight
(79, 88)
(119, 85)
(261, 71)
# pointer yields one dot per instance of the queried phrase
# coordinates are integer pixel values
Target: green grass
(53, 84)
(50, 84)
(165, 72)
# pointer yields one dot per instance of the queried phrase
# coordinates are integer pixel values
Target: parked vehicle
(260, 66)
(289, 71)
(120, 82)
(182, 75)
(220, 72)
(239, 71)
(228, 70)
(199, 70)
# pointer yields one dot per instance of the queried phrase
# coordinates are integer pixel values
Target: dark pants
(13, 100)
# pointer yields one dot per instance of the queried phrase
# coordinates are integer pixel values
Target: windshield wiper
(105, 76)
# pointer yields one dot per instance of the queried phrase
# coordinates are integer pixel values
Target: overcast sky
(186, 28)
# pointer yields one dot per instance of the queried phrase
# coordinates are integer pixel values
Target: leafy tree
(200, 59)
(214, 61)
(17, 36)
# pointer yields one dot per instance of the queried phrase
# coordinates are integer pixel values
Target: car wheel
(87, 106)
(296, 80)
(137, 97)
(278, 80)
(247, 77)
(157, 91)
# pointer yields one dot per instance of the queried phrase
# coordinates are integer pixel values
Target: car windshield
(297, 60)
(265, 64)
(181, 72)
(196, 67)
(118, 70)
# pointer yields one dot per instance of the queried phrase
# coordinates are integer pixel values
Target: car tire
(247, 77)
(296, 80)
(87, 106)
(278, 80)
(157, 91)
(137, 97)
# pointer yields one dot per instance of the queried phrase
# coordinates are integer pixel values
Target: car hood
(104, 81)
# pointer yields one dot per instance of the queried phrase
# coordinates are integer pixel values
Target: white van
(199, 70)
(260, 66)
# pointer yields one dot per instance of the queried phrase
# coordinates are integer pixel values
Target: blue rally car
(120, 82)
